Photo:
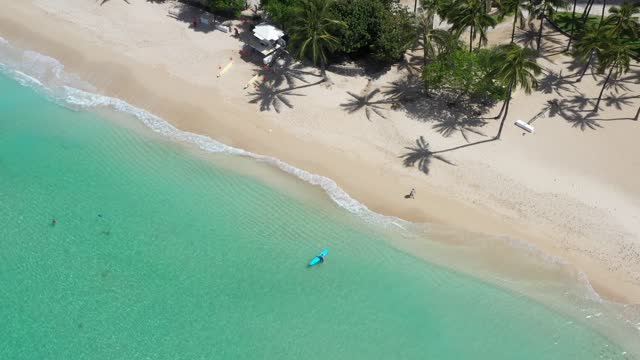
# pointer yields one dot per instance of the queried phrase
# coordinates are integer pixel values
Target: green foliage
(368, 27)
(593, 37)
(592, 40)
(227, 7)
(564, 19)
(538, 8)
(312, 31)
(616, 54)
(623, 20)
(466, 72)
(281, 11)
(472, 15)
(397, 34)
(363, 20)
(517, 67)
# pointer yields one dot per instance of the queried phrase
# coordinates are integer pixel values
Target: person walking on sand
(412, 194)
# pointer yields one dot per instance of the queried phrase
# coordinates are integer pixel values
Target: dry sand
(571, 189)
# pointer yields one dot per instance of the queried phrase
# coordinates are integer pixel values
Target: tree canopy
(227, 7)
(466, 72)
(376, 28)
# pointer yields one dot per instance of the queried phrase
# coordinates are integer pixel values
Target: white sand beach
(571, 189)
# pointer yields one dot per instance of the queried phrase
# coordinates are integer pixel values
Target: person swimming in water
(321, 258)
(54, 222)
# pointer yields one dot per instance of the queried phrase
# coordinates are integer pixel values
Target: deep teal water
(160, 254)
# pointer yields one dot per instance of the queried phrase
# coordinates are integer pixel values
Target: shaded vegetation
(466, 73)
(229, 8)
(376, 28)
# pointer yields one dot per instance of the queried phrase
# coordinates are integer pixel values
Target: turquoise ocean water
(160, 253)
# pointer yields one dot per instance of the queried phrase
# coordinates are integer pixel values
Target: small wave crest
(87, 100)
(49, 77)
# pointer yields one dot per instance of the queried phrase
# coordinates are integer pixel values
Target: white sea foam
(591, 292)
(47, 75)
(42, 66)
(87, 100)
(35, 66)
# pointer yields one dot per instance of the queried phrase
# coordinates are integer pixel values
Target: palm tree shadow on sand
(270, 93)
(268, 96)
(366, 102)
(286, 72)
(583, 121)
(576, 110)
(412, 64)
(465, 125)
(554, 82)
(421, 155)
(527, 37)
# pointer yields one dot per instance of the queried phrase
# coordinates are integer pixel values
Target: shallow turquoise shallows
(161, 254)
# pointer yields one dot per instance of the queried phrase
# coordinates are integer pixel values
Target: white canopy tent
(266, 40)
(267, 32)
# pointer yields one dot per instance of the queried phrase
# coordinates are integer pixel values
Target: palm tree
(590, 43)
(516, 7)
(471, 14)
(587, 11)
(312, 31)
(573, 24)
(518, 68)
(541, 8)
(616, 56)
(433, 40)
(624, 19)
(604, 6)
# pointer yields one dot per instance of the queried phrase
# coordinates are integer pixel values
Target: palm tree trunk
(573, 24)
(604, 5)
(586, 67)
(595, 109)
(471, 39)
(323, 72)
(506, 111)
(540, 32)
(587, 11)
(513, 29)
(415, 7)
(424, 47)
(504, 104)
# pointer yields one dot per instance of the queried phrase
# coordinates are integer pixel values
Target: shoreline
(181, 102)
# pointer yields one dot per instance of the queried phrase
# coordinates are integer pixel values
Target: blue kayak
(319, 258)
